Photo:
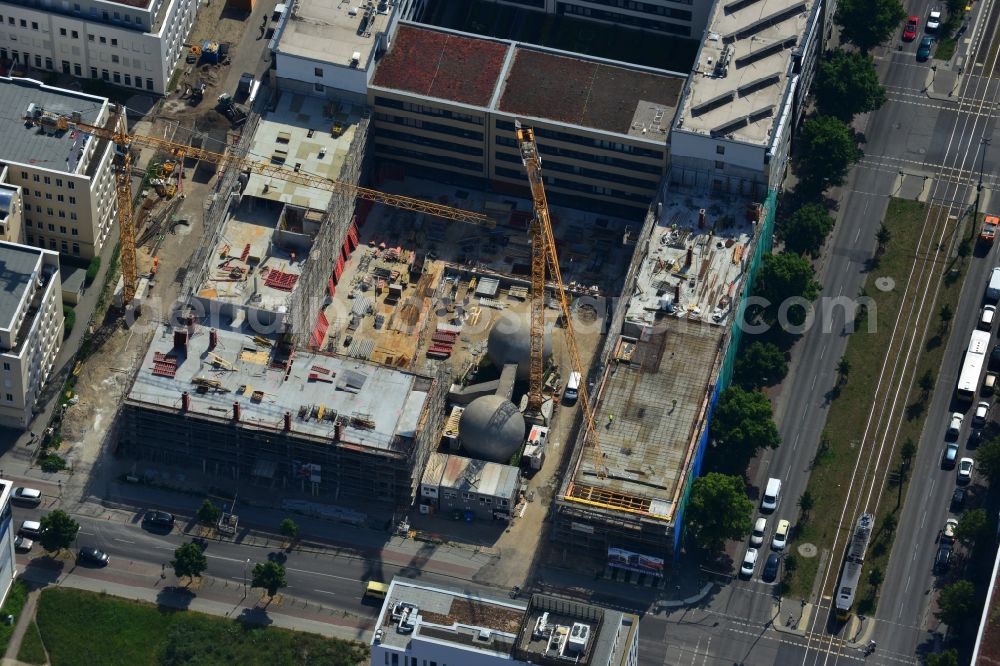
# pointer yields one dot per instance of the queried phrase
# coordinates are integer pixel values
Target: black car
(243, 87)
(93, 556)
(994, 362)
(771, 568)
(942, 560)
(957, 500)
(160, 519)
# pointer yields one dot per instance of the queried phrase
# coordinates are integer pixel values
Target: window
(38, 209)
(75, 35)
(6, 366)
(114, 42)
(48, 63)
(37, 194)
(318, 71)
(59, 183)
(34, 25)
(52, 243)
(76, 249)
(719, 164)
(24, 24)
(71, 186)
(128, 79)
(62, 32)
(24, 175)
(48, 181)
(62, 230)
(117, 77)
(105, 75)
(93, 72)
(318, 87)
(73, 230)
(720, 150)
(65, 247)
(38, 61)
(62, 214)
(149, 84)
(77, 70)
(115, 58)
(35, 177)
(10, 398)
(90, 38)
(31, 239)
(138, 82)
(52, 227)
(104, 40)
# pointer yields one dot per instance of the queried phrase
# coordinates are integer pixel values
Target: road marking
(813, 384)
(841, 292)
(124, 540)
(87, 533)
(923, 519)
(320, 573)
(332, 594)
(822, 352)
(228, 559)
(857, 236)
(796, 442)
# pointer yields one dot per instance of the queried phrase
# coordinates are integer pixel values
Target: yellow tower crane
(543, 251)
(116, 131)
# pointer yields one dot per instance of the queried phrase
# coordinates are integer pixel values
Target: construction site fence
(219, 206)
(763, 242)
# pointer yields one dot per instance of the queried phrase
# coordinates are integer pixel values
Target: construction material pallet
(438, 354)
(280, 280)
(491, 303)
(164, 366)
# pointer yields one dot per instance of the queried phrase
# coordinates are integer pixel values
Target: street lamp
(245, 565)
(984, 142)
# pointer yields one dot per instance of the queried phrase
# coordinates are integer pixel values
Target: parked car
(950, 456)
(987, 317)
(981, 415)
(771, 568)
(92, 556)
(780, 539)
(957, 500)
(942, 559)
(910, 29)
(26, 496)
(159, 519)
(989, 383)
(933, 20)
(975, 438)
(948, 533)
(749, 562)
(965, 470)
(759, 530)
(30, 528)
(955, 424)
(23, 544)
(924, 50)
(245, 85)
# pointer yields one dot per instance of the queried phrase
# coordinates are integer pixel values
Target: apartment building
(445, 103)
(10, 210)
(683, 18)
(746, 95)
(8, 566)
(65, 176)
(131, 43)
(31, 328)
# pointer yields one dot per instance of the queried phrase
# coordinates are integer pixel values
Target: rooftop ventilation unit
(766, 51)
(407, 620)
(542, 628)
(757, 84)
(722, 66)
(766, 22)
(578, 637)
(760, 114)
(713, 103)
(729, 127)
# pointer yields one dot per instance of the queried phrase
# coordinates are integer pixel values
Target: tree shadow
(255, 616)
(177, 597)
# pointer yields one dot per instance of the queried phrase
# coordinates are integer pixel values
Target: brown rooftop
(582, 92)
(442, 65)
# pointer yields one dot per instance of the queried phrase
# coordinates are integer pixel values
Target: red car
(910, 31)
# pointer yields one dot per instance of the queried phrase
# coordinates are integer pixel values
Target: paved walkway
(23, 622)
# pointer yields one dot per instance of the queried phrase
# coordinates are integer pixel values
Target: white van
(772, 493)
(572, 391)
(986, 317)
(993, 286)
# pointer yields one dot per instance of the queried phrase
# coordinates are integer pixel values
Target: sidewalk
(23, 622)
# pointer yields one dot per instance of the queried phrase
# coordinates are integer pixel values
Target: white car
(948, 533)
(23, 544)
(986, 317)
(955, 424)
(30, 528)
(965, 470)
(933, 20)
(749, 562)
(759, 530)
(780, 539)
(981, 414)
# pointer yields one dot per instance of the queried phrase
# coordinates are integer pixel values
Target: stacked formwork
(310, 295)
(243, 454)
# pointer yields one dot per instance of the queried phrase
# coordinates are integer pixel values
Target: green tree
(875, 577)
(806, 502)
(289, 528)
(946, 316)
(926, 382)
(58, 530)
(717, 510)
(843, 370)
(908, 450)
(988, 459)
(760, 364)
(946, 658)
(889, 523)
(742, 424)
(868, 23)
(973, 527)
(847, 84)
(784, 276)
(270, 576)
(956, 603)
(883, 237)
(208, 513)
(805, 230)
(827, 150)
(189, 561)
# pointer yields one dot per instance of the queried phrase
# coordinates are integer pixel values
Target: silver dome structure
(510, 342)
(492, 428)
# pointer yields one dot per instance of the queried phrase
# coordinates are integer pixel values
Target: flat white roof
(741, 76)
(332, 32)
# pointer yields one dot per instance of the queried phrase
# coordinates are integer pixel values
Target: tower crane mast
(543, 252)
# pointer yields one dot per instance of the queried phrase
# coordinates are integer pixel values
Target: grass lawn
(846, 421)
(16, 599)
(85, 627)
(945, 49)
(32, 651)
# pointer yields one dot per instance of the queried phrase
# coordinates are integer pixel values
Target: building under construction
(668, 350)
(245, 409)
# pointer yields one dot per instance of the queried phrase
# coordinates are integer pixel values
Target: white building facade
(132, 43)
(66, 177)
(8, 566)
(31, 328)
